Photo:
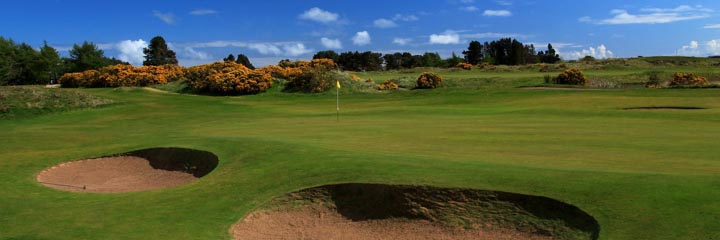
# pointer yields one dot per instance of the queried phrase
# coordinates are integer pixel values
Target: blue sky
(267, 31)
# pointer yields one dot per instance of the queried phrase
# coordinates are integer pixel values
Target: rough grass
(18, 101)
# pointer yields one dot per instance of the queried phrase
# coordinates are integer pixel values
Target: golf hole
(140, 170)
(375, 211)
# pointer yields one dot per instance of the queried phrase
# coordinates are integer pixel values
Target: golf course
(643, 163)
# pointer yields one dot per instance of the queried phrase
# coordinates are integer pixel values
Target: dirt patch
(664, 108)
(374, 211)
(130, 172)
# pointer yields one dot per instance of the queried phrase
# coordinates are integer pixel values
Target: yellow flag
(337, 83)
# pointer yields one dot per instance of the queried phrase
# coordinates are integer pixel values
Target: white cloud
(168, 18)
(493, 35)
(131, 51)
(319, 15)
(449, 37)
(203, 12)
(469, 8)
(405, 18)
(497, 13)
(106, 46)
(712, 26)
(402, 41)
(585, 19)
(681, 8)
(711, 47)
(296, 49)
(601, 52)
(384, 23)
(361, 38)
(652, 15)
(331, 43)
(193, 54)
(265, 48)
(504, 2)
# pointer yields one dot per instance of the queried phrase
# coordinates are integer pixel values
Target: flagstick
(337, 97)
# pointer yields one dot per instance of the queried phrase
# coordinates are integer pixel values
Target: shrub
(571, 76)
(429, 80)
(88, 79)
(355, 77)
(548, 79)
(653, 81)
(588, 59)
(465, 66)
(544, 68)
(228, 78)
(314, 76)
(388, 85)
(123, 75)
(483, 64)
(688, 80)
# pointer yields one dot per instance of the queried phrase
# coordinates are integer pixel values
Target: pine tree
(244, 60)
(229, 58)
(474, 53)
(158, 53)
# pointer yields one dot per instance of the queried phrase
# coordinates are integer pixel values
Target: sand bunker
(373, 211)
(129, 172)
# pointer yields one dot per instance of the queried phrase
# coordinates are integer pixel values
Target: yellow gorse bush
(571, 76)
(228, 78)
(429, 80)
(388, 85)
(312, 76)
(123, 75)
(688, 79)
(223, 78)
(465, 66)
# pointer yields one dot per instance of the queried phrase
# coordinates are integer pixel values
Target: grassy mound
(19, 101)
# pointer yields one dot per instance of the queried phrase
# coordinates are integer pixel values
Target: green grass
(642, 174)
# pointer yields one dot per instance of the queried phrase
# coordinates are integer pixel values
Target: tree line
(505, 51)
(508, 51)
(20, 63)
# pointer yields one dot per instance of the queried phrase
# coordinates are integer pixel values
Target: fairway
(642, 174)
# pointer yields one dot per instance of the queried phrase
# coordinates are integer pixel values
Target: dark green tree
(229, 58)
(357, 61)
(28, 65)
(329, 54)
(244, 60)
(474, 53)
(7, 61)
(51, 62)
(549, 56)
(158, 53)
(86, 56)
(393, 61)
(431, 60)
(453, 60)
(517, 53)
